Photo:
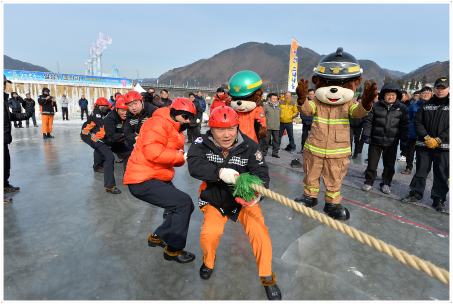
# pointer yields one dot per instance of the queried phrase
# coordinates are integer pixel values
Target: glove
(431, 142)
(198, 121)
(185, 156)
(366, 140)
(251, 202)
(228, 175)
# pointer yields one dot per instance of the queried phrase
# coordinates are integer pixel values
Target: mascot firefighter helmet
(132, 96)
(101, 101)
(120, 104)
(183, 104)
(338, 66)
(244, 84)
(223, 117)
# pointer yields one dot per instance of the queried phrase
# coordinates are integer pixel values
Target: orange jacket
(224, 101)
(247, 122)
(159, 148)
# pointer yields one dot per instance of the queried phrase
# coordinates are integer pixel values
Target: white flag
(105, 39)
(93, 48)
(100, 45)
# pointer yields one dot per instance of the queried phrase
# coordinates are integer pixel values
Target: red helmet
(132, 96)
(120, 104)
(183, 104)
(119, 96)
(223, 117)
(101, 101)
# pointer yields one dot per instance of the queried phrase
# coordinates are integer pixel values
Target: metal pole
(58, 67)
(138, 76)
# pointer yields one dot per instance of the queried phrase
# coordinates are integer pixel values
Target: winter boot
(44, 136)
(410, 198)
(205, 272)
(296, 163)
(113, 190)
(50, 136)
(179, 256)
(99, 170)
(438, 203)
(271, 288)
(154, 240)
(336, 211)
(307, 201)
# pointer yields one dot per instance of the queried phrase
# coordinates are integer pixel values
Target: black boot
(115, 190)
(205, 272)
(154, 240)
(307, 201)
(49, 136)
(336, 211)
(438, 203)
(180, 256)
(99, 170)
(410, 198)
(44, 135)
(271, 288)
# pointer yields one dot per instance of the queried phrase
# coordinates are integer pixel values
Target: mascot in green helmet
(245, 90)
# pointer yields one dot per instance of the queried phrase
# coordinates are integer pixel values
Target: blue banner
(17, 76)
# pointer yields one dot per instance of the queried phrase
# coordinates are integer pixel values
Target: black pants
(97, 158)
(106, 153)
(192, 134)
(17, 123)
(6, 165)
(272, 136)
(410, 151)
(356, 132)
(388, 158)
(165, 195)
(84, 110)
(305, 131)
(440, 161)
(65, 110)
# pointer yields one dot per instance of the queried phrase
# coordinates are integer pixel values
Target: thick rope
(401, 255)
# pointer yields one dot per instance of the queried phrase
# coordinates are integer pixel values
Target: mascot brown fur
(252, 121)
(328, 146)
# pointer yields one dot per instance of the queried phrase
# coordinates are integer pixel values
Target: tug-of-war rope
(247, 184)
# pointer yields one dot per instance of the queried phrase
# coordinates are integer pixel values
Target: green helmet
(244, 84)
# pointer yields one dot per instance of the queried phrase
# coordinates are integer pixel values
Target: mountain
(270, 61)
(14, 64)
(432, 71)
(397, 74)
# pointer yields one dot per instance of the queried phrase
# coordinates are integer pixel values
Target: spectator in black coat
(193, 131)
(432, 125)
(29, 103)
(15, 104)
(306, 123)
(7, 139)
(386, 124)
(166, 102)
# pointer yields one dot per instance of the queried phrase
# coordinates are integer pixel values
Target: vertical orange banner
(292, 78)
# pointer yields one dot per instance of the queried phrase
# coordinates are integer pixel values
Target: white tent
(139, 88)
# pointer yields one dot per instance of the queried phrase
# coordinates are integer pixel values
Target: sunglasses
(187, 117)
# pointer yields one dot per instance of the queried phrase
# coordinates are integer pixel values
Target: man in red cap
(216, 158)
(150, 169)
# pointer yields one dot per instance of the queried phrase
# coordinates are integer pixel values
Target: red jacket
(159, 148)
(223, 101)
(247, 122)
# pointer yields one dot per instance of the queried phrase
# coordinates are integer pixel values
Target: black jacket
(386, 126)
(205, 161)
(166, 102)
(94, 121)
(193, 122)
(133, 123)
(113, 128)
(8, 117)
(432, 119)
(15, 103)
(28, 103)
(47, 105)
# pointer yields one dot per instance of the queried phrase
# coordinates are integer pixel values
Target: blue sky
(154, 38)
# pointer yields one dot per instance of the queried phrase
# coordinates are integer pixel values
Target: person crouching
(216, 158)
(150, 169)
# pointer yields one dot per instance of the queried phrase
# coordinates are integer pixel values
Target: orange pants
(47, 122)
(333, 171)
(253, 222)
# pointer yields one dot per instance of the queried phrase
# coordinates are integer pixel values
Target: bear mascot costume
(245, 90)
(328, 145)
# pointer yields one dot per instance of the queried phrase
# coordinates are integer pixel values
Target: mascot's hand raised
(302, 91)
(369, 94)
